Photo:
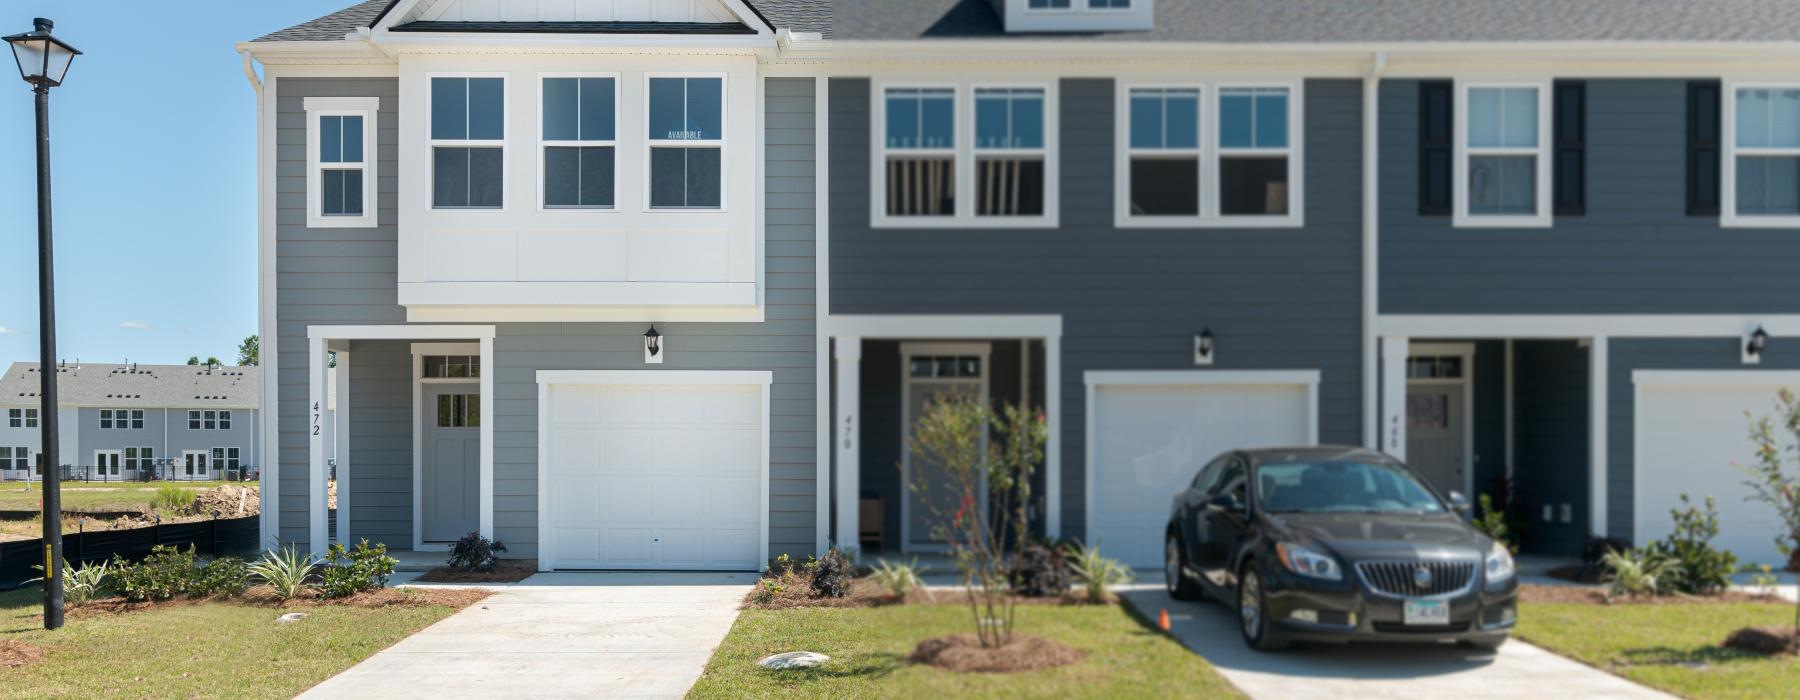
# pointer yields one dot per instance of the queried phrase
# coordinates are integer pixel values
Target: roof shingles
(797, 15)
(137, 386)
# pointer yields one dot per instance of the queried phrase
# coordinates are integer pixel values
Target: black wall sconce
(653, 346)
(1754, 344)
(1203, 347)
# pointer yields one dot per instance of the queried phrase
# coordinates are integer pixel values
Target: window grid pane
(686, 109)
(1010, 118)
(1503, 185)
(921, 118)
(1253, 118)
(1503, 117)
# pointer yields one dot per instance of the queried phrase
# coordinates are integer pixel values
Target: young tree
(249, 352)
(214, 362)
(1772, 483)
(951, 433)
(194, 361)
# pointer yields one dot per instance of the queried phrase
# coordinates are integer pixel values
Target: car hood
(1365, 536)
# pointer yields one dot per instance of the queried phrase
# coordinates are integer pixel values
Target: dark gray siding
(1129, 298)
(1631, 354)
(1636, 250)
(326, 276)
(1550, 433)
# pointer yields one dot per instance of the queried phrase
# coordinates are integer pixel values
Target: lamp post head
(43, 59)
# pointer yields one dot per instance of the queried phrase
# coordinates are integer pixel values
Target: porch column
(1393, 395)
(1053, 503)
(1597, 369)
(318, 492)
(486, 502)
(340, 442)
(845, 433)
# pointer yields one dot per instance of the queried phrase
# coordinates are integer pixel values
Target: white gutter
(256, 82)
(1371, 260)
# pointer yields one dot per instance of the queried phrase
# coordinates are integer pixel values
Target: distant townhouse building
(131, 422)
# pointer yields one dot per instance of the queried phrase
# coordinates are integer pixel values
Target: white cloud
(136, 325)
(8, 331)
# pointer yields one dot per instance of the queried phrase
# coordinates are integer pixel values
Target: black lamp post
(44, 61)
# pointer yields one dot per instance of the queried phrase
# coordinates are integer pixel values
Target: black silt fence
(222, 536)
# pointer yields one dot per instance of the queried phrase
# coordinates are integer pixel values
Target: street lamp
(44, 62)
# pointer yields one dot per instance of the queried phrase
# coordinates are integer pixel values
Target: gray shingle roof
(798, 15)
(137, 386)
(1356, 21)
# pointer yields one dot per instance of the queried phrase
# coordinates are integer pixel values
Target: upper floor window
(1232, 161)
(994, 165)
(340, 173)
(121, 419)
(21, 418)
(209, 420)
(686, 141)
(468, 142)
(1762, 171)
(579, 142)
(1502, 162)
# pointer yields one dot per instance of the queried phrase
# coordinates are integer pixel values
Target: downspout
(1371, 264)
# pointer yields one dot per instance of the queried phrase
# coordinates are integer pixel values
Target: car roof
(1315, 453)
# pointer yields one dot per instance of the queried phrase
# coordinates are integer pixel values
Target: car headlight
(1306, 562)
(1499, 564)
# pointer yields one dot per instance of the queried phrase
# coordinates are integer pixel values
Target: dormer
(1034, 16)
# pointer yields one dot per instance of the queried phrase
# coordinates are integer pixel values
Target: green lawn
(869, 646)
(1671, 647)
(81, 495)
(209, 650)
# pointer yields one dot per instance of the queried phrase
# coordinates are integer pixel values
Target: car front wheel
(1253, 609)
(1180, 586)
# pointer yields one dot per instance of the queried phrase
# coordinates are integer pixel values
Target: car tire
(1253, 618)
(1180, 587)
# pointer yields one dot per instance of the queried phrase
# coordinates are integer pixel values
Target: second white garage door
(654, 477)
(1151, 439)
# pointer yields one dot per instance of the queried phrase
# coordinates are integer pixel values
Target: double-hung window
(22, 418)
(1212, 156)
(340, 137)
(468, 142)
(920, 147)
(579, 142)
(121, 419)
(209, 420)
(1762, 171)
(1010, 158)
(1256, 157)
(1163, 152)
(1503, 162)
(687, 142)
(965, 156)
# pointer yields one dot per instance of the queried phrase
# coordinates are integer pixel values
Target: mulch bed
(1765, 640)
(1531, 593)
(264, 596)
(509, 571)
(14, 653)
(796, 592)
(963, 652)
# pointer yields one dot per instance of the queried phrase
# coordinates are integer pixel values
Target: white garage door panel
(1150, 441)
(655, 477)
(1688, 438)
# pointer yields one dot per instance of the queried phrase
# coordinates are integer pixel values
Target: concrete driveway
(637, 635)
(1518, 670)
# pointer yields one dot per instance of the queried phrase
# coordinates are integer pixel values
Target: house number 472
(315, 422)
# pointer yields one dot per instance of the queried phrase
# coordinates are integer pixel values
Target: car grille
(1400, 578)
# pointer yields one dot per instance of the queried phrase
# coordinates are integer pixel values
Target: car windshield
(1342, 487)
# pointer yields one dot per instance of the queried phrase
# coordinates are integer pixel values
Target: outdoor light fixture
(1754, 344)
(43, 59)
(44, 62)
(653, 346)
(1203, 347)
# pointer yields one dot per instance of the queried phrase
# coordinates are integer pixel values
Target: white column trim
(847, 433)
(1394, 351)
(486, 499)
(340, 438)
(315, 431)
(821, 308)
(1597, 405)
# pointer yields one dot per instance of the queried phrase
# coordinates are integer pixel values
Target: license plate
(1426, 612)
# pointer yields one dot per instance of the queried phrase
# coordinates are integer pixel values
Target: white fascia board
(654, 377)
(563, 313)
(1714, 377)
(601, 294)
(1202, 377)
(947, 326)
(1585, 326)
(513, 42)
(407, 332)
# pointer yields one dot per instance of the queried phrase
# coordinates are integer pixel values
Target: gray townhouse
(125, 422)
(1536, 248)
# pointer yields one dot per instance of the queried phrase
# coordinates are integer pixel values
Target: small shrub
(475, 553)
(287, 571)
(769, 591)
(1040, 571)
(171, 497)
(1098, 574)
(1764, 580)
(351, 571)
(80, 584)
(831, 575)
(1695, 566)
(898, 579)
(1593, 553)
(1492, 523)
(223, 576)
(166, 573)
(1634, 572)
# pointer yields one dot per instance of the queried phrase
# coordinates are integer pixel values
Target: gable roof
(137, 386)
(1357, 21)
(797, 15)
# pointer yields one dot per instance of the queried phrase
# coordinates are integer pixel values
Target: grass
(81, 495)
(1675, 648)
(869, 647)
(202, 650)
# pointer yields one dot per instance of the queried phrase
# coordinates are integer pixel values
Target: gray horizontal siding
(1129, 298)
(1635, 251)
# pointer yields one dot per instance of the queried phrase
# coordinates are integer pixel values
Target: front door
(450, 460)
(1435, 436)
(932, 498)
(194, 465)
(106, 463)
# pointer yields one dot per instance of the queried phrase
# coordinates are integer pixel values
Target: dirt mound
(230, 500)
(14, 653)
(1764, 640)
(963, 652)
(509, 571)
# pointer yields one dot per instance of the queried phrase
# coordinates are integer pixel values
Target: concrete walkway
(1518, 670)
(636, 635)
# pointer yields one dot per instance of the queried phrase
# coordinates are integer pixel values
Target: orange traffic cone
(1162, 619)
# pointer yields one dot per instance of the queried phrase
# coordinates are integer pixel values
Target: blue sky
(153, 143)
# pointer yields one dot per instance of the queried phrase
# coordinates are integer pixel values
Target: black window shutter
(1436, 150)
(1703, 147)
(1569, 169)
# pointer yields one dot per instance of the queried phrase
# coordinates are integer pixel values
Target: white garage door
(1688, 435)
(655, 477)
(1150, 441)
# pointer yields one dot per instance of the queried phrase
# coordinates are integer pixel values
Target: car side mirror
(1226, 502)
(1459, 502)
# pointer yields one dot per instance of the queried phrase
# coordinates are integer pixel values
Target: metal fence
(160, 472)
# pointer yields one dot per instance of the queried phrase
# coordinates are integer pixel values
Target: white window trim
(1728, 216)
(544, 144)
(432, 144)
(368, 108)
(963, 158)
(1460, 169)
(1210, 154)
(719, 143)
(131, 414)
